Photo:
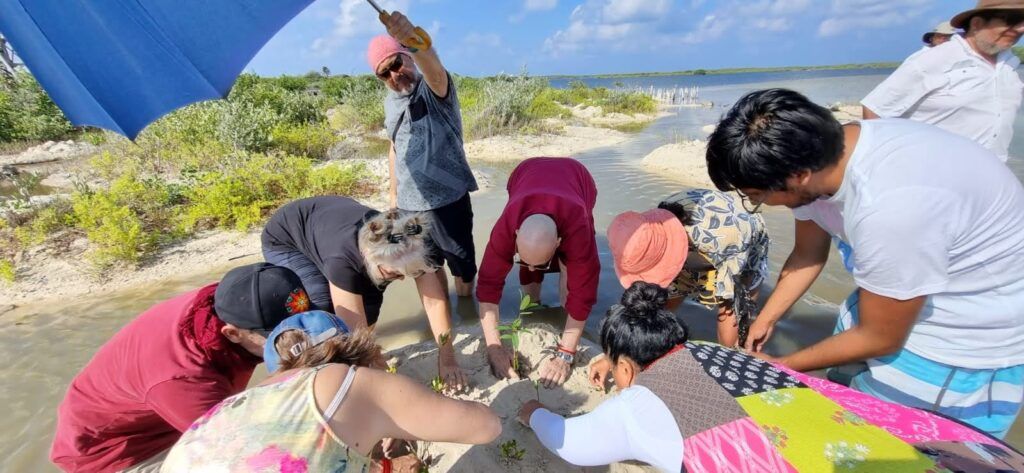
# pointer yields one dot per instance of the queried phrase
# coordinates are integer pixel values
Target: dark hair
(770, 135)
(640, 327)
(679, 210)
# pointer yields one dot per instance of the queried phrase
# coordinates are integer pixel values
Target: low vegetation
(228, 164)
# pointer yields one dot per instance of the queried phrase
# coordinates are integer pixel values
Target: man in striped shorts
(935, 224)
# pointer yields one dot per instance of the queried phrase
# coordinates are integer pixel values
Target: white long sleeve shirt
(952, 87)
(635, 425)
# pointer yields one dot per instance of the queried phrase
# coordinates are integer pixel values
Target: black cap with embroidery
(259, 296)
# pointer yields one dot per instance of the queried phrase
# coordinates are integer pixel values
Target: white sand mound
(575, 397)
(682, 161)
(572, 140)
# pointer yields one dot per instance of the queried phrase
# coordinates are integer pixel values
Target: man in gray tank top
(427, 163)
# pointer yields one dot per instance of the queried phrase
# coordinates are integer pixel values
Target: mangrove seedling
(437, 384)
(510, 451)
(392, 368)
(513, 329)
(536, 387)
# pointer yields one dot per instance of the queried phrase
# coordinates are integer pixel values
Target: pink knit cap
(382, 48)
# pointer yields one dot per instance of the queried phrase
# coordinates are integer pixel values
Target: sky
(546, 37)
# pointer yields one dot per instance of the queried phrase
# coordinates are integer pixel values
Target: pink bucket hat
(381, 48)
(649, 246)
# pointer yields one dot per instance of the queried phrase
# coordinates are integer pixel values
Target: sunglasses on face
(393, 67)
(1011, 18)
(534, 267)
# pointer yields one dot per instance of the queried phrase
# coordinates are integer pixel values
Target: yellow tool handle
(420, 42)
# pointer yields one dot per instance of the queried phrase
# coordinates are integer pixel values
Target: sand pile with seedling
(517, 449)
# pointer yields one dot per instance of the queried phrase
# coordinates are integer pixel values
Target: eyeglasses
(533, 267)
(748, 203)
(1011, 18)
(394, 67)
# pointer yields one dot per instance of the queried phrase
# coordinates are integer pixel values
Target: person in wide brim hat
(942, 33)
(961, 19)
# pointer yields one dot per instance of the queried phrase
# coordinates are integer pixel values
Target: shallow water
(45, 345)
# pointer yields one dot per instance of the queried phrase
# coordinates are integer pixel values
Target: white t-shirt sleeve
(905, 87)
(901, 248)
(635, 425)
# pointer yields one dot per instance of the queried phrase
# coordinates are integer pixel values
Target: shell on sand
(576, 396)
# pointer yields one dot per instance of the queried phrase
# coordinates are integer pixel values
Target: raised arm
(805, 262)
(427, 60)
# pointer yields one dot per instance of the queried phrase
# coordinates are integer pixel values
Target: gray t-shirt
(431, 165)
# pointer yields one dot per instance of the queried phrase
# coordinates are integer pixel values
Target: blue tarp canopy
(121, 64)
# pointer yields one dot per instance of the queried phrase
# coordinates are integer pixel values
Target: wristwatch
(566, 357)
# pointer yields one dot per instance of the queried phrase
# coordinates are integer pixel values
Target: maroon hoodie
(562, 189)
(146, 385)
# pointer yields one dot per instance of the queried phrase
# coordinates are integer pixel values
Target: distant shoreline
(734, 70)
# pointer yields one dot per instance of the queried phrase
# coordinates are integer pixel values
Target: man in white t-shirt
(938, 250)
(968, 86)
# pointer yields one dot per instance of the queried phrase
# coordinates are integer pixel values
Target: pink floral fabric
(739, 446)
(910, 425)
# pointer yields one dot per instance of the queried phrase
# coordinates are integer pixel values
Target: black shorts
(452, 231)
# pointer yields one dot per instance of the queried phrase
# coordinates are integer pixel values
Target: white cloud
(629, 11)
(657, 24)
(540, 5)
(849, 15)
(533, 6)
(355, 18)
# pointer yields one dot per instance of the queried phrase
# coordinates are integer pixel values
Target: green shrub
(95, 137)
(115, 231)
(8, 118)
(246, 126)
(335, 180)
(130, 219)
(31, 113)
(46, 221)
(361, 105)
(313, 141)
(239, 197)
(7, 271)
(544, 105)
(628, 102)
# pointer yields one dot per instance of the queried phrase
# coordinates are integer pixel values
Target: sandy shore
(576, 396)
(48, 274)
(685, 161)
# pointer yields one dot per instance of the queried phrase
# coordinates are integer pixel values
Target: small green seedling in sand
(510, 452)
(536, 386)
(513, 329)
(437, 384)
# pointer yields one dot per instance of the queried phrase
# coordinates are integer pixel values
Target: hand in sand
(527, 410)
(500, 359)
(759, 333)
(554, 372)
(599, 371)
(450, 372)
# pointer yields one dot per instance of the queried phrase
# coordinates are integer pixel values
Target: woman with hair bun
(324, 409)
(701, 407)
(346, 255)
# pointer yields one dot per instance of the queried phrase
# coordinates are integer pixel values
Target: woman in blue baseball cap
(323, 408)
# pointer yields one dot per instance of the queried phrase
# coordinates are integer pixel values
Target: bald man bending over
(547, 227)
